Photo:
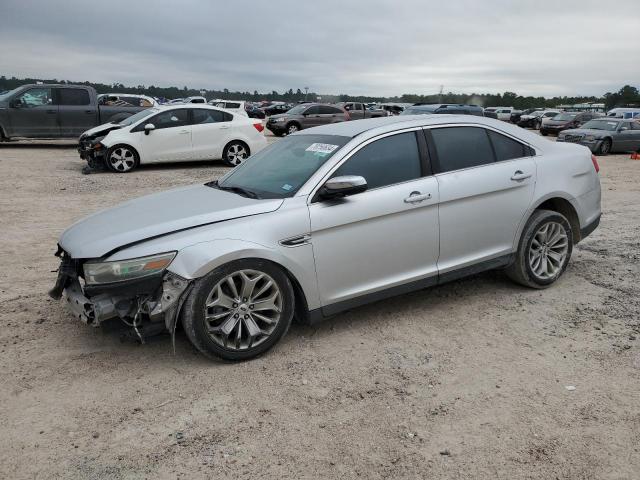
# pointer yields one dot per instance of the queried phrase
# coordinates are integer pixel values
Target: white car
(173, 133)
(501, 113)
(236, 106)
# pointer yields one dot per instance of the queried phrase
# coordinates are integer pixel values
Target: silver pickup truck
(55, 111)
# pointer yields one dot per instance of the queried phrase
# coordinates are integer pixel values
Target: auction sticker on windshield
(321, 148)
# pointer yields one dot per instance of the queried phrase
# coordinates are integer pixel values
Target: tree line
(626, 96)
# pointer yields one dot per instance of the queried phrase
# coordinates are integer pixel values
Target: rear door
(75, 111)
(211, 130)
(33, 113)
(486, 182)
(170, 141)
(331, 114)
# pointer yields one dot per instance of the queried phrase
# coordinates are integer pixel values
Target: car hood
(278, 115)
(556, 123)
(586, 131)
(100, 130)
(156, 215)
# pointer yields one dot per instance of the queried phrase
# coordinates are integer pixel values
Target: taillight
(595, 163)
(259, 126)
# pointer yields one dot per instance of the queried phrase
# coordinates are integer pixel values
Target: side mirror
(622, 129)
(16, 103)
(342, 187)
(148, 128)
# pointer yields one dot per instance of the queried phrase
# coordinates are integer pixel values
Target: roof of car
(388, 124)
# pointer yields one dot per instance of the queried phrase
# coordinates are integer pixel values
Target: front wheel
(122, 159)
(605, 147)
(235, 153)
(544, 250)
(292, 128)
(239, 310)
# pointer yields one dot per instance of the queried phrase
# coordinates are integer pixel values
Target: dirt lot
(466, 380)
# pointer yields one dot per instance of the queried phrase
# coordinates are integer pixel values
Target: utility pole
(306, 91)
(440, 93)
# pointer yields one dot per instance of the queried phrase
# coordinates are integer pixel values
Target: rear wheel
(235, 153)
(544, 250)
(239, 310)
(122, 159)
(605, 147)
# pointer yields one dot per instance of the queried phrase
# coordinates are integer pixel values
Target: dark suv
(306, 116)
(451, 108)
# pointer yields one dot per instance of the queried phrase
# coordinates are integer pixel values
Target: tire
(543, 133)
(605, 147)
(557, 240)
(292, 128)
(122, 159)
(215, 290)
(235, 153)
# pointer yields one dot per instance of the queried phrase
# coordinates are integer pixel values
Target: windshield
(564, 117)
(416, 111)
(282, 168)
(298, 109)
(138, 116)
(608, 125)
(6, 95)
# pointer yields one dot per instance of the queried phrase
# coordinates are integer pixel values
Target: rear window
(506, 148)
(73, 96)
(461, 147)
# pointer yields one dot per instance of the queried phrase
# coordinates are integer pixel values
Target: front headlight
(281, 119)
(589, 138)
(121, 270)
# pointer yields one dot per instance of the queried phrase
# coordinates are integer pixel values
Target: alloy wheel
(243, 309)
(236, 154)
(293, 128)
(122, 159)
(548, 250)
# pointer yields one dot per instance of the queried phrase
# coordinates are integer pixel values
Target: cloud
(372, 47)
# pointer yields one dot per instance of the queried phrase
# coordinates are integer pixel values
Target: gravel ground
(463, 381)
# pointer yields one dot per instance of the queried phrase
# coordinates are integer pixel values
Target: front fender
(196, 261)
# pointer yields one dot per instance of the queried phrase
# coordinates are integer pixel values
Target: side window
(461, 147)
(233, 105)
(386, 161)
(35, 97)
(635, 125)
(327, 110)
(73, 96)
(505, 147)
(205, 115)
(314, 110)
(169, 119)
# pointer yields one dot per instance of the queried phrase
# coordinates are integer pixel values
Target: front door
(486, 182)
(33, 113)
(382, 238)
(170, 141)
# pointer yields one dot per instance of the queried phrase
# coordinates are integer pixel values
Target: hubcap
(122, 159)
(293, 129)
(548, 250)
(236, 154)
(605, 147)
(243, 309)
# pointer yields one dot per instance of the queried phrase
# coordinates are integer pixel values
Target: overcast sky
(368, 47)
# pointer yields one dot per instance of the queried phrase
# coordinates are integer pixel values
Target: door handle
(417, 197)
(182, 132)
(224, 127)
(518, 176)
(52, 111)
(89, 112)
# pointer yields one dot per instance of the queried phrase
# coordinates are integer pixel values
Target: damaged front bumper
(92, 152)
(149, 305)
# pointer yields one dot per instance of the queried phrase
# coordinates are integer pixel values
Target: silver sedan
(329, 219)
